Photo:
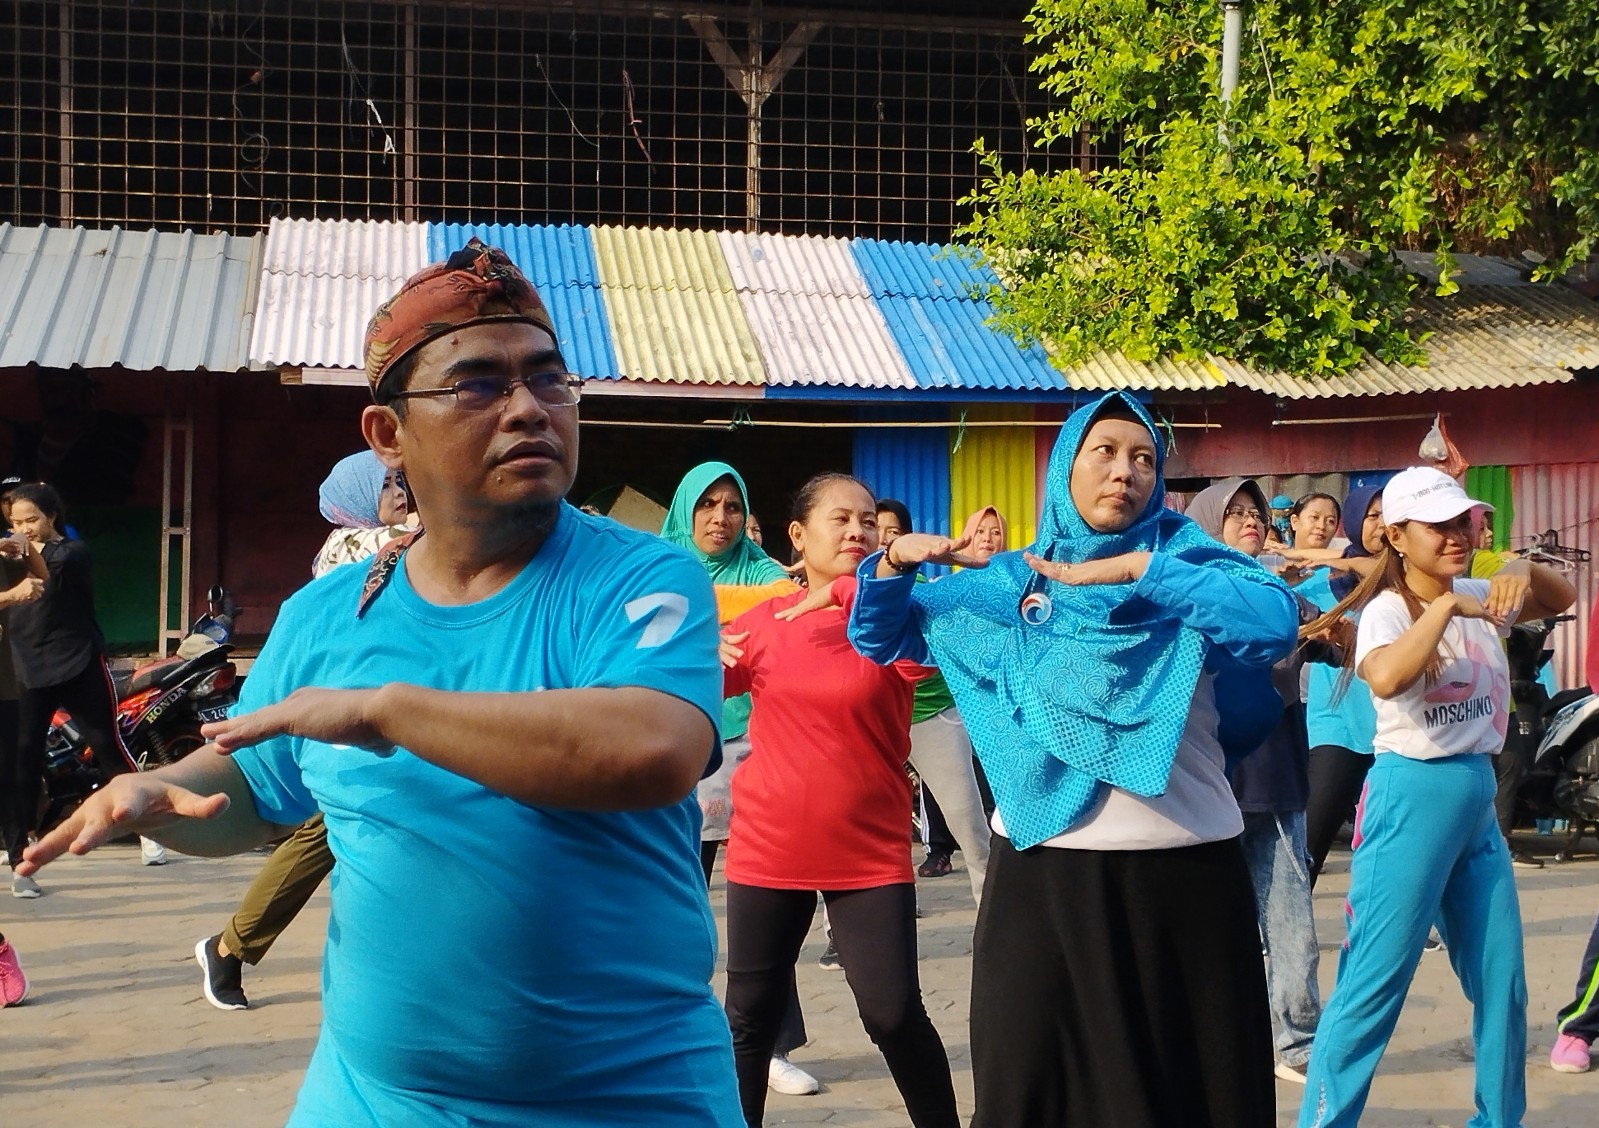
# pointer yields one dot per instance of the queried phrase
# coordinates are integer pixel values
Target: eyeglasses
(1239, 513)
(478, 393)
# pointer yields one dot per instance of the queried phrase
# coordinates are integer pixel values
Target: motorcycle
(1562, 781)
(160, 708)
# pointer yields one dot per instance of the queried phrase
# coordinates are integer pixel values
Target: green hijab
(743, 564)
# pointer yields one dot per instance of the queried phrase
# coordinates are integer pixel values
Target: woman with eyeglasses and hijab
(1104, 675)
(1271, 787)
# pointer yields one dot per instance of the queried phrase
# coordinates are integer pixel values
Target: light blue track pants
(1427, 849)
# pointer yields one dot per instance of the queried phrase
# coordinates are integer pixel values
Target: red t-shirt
(823, 801)
(1593, 649)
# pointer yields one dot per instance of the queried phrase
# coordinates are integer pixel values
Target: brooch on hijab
(1035, 607)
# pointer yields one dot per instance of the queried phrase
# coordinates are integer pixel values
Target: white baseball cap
(1425, 494)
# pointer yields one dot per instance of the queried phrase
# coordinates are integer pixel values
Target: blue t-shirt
(491, 963)
(1349, 721)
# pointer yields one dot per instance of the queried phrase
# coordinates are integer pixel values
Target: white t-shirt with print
(1467, 709)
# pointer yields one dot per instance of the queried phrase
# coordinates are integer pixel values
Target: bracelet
(902, 569)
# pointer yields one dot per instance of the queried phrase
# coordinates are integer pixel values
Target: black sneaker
(936, 864)
(829, 960)
(1523, 860)
(223, 979)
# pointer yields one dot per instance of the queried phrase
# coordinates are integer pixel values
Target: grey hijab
(1209, 508)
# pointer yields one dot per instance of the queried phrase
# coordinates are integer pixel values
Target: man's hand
(331, 716)
(1124, 569)
(28, 590)
(13, 547)
(926, 548)
(135, 803)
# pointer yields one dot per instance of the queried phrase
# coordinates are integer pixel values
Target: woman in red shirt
(822, 805)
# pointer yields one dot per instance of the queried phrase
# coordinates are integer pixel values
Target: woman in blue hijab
(1103, 675)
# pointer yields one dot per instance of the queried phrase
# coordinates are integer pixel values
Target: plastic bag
(1438, 450)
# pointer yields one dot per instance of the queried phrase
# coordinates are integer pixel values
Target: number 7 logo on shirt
(669, 610)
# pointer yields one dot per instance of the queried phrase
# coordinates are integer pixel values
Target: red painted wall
(1503, 427)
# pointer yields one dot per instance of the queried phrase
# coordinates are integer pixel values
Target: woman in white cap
(1426, 844)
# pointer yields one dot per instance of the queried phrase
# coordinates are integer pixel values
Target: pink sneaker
(1570, 1055)
(13, 984)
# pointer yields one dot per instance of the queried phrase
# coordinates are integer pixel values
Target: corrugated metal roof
(675, 317)
(921, 270)
(1563, 496)
(144, 300)
(905, 277)
(792, 264)
(321, 281)
(812, 315)
(947, 344)
(797, 312)
(1482, 337)
(560, 263)
(1107, 372)
(1468, 270)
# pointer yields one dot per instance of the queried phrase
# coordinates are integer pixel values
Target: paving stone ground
(117, 1035)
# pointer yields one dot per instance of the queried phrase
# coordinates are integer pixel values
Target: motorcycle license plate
(213, 713)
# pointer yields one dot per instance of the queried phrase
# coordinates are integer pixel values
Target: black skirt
(1120, 989)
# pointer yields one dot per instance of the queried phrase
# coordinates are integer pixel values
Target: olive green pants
(278, 893)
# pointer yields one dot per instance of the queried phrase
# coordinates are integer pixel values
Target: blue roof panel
(560, 263)
(919, 270)
(947, 345)
(929, 298)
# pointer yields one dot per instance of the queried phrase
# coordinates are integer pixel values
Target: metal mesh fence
(222, 114)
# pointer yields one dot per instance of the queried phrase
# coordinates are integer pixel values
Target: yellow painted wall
(995, 466)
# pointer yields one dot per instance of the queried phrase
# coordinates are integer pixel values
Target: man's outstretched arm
(604, 749)
(200, 805)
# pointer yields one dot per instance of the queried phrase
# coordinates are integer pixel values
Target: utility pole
(1232, 35)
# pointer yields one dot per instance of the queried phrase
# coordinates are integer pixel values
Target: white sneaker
(24, 888)
(783, 1076)
(151, 852)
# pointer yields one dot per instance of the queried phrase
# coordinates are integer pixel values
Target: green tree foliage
(1357, 128)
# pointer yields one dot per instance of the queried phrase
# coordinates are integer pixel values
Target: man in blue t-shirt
(508, 717)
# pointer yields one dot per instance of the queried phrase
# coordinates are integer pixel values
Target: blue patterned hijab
(1096, 694)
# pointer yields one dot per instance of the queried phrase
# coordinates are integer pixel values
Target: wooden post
(755, 81)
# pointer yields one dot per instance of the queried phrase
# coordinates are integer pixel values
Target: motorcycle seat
(157, 675)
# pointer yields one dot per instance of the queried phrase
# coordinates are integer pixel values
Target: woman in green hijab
(707, 518)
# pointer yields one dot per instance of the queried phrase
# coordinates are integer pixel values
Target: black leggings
(791, 1034)
(1336, 777)
(875, 930)
(91, 699)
